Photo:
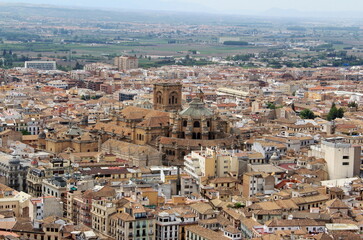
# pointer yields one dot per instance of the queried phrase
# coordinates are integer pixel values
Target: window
(345, 163)
(196, 124)
(159, 97)
(173, 98)
(345, 157)
(185, 123)
(196, 135)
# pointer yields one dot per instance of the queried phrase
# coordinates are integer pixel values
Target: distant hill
(293, 13)
(186, 14)
(120, 15)
(127, 15)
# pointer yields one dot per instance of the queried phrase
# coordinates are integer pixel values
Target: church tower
(168, 97)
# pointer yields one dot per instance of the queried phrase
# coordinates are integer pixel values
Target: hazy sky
(226, 6)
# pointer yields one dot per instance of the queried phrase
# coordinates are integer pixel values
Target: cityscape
(176, 120)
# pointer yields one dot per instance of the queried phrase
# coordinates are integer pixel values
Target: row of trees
(8, 59)
(334, 112)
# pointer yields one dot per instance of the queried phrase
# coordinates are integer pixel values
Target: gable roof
(336, 203)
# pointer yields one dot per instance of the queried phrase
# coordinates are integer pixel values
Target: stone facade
(168, 97)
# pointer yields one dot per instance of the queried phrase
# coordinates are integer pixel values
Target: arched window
(199, 136)
(159, 97)
(173, 98)
(208, 123)
(196, 124)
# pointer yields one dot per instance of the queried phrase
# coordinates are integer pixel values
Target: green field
(144, 48)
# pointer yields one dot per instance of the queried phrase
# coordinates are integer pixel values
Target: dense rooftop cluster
(214, 152)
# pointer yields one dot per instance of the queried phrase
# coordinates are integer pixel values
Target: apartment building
(41, 65)
(343, 159)
(167, 226)
(171, 223)
(133, 223)
(34, 180)
(14, 170)
(43, 207)
(79, 203)
(124, 63)
(101, 213)
(211, 162)
(257, 183)
(17, 202)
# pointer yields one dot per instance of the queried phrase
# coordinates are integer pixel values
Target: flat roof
(341, 227)
(267, 168)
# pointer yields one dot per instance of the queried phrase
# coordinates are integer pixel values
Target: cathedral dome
(196, 110)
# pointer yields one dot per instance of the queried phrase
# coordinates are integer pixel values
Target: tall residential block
(125, 63)
(343, 159)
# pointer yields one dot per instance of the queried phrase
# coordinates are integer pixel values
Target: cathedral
(170, 129)
(190, 129)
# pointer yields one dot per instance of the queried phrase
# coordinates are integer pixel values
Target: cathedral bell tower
(168, 97)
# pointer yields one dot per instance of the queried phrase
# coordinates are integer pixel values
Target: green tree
(340, 113)
(335, 113)
(271, 105)
(332, 113)
(307, 114)
(78, 66)
(25, 132)
(353, 105)
(238, 205)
